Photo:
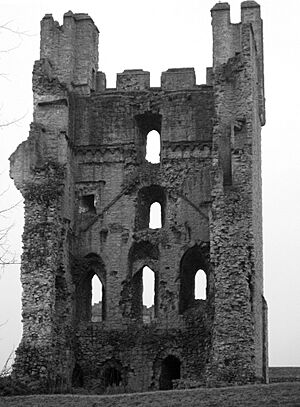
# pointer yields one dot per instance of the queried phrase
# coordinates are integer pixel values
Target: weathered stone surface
(88, 190)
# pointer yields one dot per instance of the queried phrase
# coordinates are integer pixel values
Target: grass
(272, 395)
(284, 374)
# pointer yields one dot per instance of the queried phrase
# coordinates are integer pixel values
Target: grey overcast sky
(156, 35)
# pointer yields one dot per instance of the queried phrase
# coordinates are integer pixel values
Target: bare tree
(14, 36)
(11, 35)
(8, 35)
(6, 256)
(7, 367)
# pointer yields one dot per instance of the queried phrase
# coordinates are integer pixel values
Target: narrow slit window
(155, 216)
(200, 285)
(148, 295)
(97, 304)
(153, 147)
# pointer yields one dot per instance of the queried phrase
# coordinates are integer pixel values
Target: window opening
(97, 294)
(87, 204)
(251, 290)
(155, 216)
(141, 255)
(153, 147)
(93, 85)
(200, 285)
(151, 207)
(90, 289)
(148, 295)
(193, 277)
(170, 370)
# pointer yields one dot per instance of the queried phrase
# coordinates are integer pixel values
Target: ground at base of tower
(277, 394)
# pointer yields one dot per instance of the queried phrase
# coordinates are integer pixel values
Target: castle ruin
(88, 189)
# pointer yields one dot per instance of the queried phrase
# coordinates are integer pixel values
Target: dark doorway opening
(170, 370)
(112, 377)
(77, 376)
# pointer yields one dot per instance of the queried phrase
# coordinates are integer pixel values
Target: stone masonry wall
(88, 189)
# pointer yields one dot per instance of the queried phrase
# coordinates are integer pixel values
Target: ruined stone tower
(88, 189)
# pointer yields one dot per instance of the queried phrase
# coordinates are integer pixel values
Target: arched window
(151, 207)
(153, 147)
(97, 292)
(155, 216)
(148, 294)
(148, 136)
(193, 271)
(142, 280)
(90, 289)
(200, 285)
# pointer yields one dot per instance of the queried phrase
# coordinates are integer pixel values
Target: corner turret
(71, 49)
(228, 42)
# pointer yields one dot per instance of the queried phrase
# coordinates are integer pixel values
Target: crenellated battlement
(72, 52)
(172, 79)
